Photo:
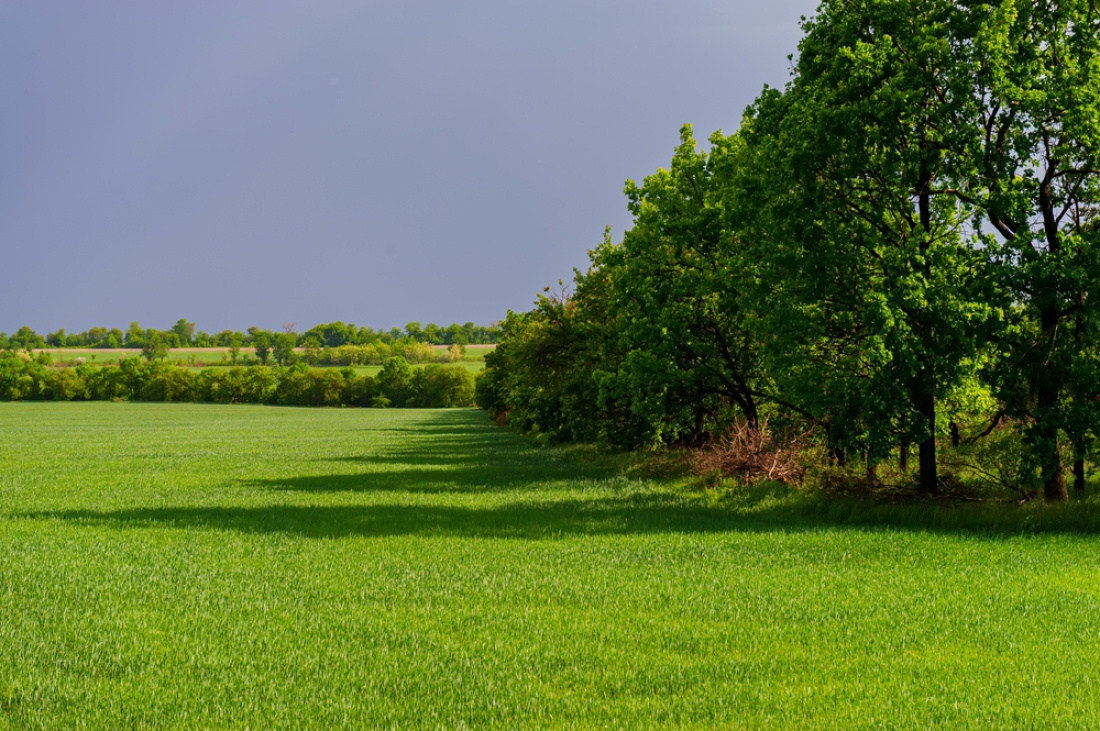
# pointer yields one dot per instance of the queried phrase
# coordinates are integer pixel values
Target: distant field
(475, 366)
(179, 566)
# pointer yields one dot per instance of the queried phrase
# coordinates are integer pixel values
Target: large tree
(691, 362)
(871, 282)
(1033, 182)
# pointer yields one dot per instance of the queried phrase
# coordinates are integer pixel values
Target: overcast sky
(251, 163)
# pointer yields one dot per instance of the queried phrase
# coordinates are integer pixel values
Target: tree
(872, 288)
(418, 352)
(546, 377)
(283, 347)
(135, 335)
(1034, 185)
(26, 339)
(332, 335)
(395, 381)
(261, 342)
(455, 334)
(234, 341)
(184, 331)
(57, 339)
(676, 294)
(154, 348)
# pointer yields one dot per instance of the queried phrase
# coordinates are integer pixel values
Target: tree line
(183, 335)
(24, 377)
(897, 250)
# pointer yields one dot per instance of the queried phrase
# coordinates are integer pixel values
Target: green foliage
(282, 347)
(154, 348)
(25, 339)
(676, 294)
(904, 236)
(442, 386)
(184, 332)
(545, 375)
(875, 296)
(395, 381)
(261, 341)
(23, 378)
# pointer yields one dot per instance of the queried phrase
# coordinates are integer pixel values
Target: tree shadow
(636, 513)
(466, 455)
(533, 520)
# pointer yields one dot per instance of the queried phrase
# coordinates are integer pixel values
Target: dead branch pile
(752, 455)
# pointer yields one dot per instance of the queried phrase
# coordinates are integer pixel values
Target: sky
(250, 163)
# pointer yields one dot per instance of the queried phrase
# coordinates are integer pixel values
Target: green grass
(473, 366)
(99, 356)
(202, 566)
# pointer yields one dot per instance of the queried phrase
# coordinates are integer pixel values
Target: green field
(203, 566)
(473, 366)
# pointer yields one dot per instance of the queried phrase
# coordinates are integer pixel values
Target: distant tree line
(898, 250)
(183, 335)
(24, 377)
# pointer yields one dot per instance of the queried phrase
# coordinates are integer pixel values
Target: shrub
(65, 385)
(438, 386)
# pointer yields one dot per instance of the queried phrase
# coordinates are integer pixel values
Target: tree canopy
(897, 247)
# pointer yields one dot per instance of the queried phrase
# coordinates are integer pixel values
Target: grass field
(202, 566)
(473, 366)
(474, 361)
(474, 358)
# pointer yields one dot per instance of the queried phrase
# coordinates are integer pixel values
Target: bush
(24, 378)
(438, 386)
(65, 384)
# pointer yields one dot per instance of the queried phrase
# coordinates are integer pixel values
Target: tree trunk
(926, 399)
(1079, 444)
(1054, 477)
(1049, 390)
(929, 479)
(903, 457)
(1054, 488)
(956, 435)
(928, 476)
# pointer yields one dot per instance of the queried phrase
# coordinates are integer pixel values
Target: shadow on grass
(536, 520)
(638, 513)
(462, 453)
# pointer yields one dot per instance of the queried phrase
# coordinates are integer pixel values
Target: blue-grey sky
(251, 163)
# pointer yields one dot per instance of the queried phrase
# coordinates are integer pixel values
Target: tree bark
(1048, 391)
(1054, 488)
(1050, 388)
(837, 456)
(926, 399)
(1079, 475)
(926, 454)
(929, 479)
